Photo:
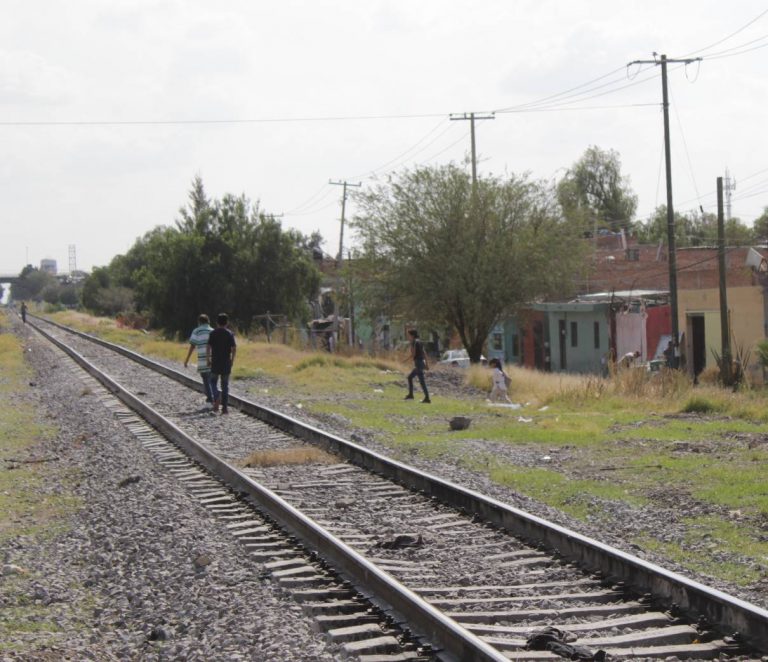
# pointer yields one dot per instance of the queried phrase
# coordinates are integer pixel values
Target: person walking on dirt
(419, 357)
(221, 349)
(198, 340)
(24, 312)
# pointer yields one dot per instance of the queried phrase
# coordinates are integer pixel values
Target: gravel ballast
(122, 583)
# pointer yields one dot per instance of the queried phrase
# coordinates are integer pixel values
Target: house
(623, 306)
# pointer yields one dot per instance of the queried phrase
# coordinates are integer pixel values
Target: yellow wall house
(699, 319)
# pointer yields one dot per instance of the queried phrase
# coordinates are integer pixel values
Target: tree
(760, 227)
(595, 193)
(222, 255)
(439, 251)
(693, 229)
(31, 284)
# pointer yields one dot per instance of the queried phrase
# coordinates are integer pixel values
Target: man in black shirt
(220, 355)
(419, 357)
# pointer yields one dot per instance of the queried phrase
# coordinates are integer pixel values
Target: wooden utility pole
(726, 374)
(472, 117)
(663, 61)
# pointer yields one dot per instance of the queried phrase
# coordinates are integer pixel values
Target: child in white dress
(500, 379)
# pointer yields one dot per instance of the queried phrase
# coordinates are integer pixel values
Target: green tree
(760, 227)
(595, 193)
(438, 251)
(222, 255)
(32, 281)
(693, 229)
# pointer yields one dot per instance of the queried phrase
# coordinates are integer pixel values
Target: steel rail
(725, 612)
(451, 640)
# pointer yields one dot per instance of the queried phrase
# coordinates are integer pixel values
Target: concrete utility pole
(344, 184)
(725, 347)
(340, 257)
(472, 117)
(663, 61)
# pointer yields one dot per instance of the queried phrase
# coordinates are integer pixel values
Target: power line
(726, 38)
(368, 174)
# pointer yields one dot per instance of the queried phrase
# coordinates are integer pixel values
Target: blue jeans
(224, 393)
(418, 371)
(207, 389)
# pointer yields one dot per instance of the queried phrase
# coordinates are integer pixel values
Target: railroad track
(465, 577)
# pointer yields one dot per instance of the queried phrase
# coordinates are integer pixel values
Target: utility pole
(663, 61)
(472, 117)
(344, 184)
(725, 347)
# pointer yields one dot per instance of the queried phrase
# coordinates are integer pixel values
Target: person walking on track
(198, 340)
(221, 349)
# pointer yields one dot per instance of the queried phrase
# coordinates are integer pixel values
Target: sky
(108, 110)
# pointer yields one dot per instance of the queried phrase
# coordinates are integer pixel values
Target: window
(597, 335)
(497, 342)
(574, 334)
(515, 345)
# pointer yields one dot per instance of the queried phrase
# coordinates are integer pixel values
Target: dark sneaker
(216, 403)
(408, 397)
(224, 410)
(427, 400)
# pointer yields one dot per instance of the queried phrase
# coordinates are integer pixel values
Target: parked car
(458, 358)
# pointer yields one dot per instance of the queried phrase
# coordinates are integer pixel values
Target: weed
(301, 455)
(699, 405)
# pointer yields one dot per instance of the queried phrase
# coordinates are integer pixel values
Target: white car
(458, 358)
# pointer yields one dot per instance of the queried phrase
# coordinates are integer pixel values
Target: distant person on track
(198, 340)
(24, 312)
(221, 349)
(419, 357)
(500, 381)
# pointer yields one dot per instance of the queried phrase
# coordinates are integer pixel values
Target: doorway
(698, 356)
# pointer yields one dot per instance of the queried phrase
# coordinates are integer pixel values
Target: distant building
(48, 266)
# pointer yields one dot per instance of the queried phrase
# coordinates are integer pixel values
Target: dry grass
(299, 455)
(538, 387)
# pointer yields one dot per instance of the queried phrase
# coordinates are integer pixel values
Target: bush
(699, 405)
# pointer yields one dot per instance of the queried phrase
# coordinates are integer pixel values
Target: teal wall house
(578, 335)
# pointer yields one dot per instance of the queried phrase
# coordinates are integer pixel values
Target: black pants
(418, 371)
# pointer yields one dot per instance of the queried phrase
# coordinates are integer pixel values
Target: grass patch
(300, 455)
(699, 405)
(26, 509)
(574, 497)
(718, 537)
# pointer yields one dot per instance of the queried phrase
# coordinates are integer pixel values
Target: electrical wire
(322, 192)
(578, 97)
(313, 211)
(685, 147)
(736, 48)
(746, 50)
(401, 158)
(263, 120)
(559, 94)
(727, 37)
(434, 156)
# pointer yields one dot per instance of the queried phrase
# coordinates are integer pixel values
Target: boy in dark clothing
(220, 356)
(419, 357)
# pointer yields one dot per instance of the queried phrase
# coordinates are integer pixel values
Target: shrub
(699, 405)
